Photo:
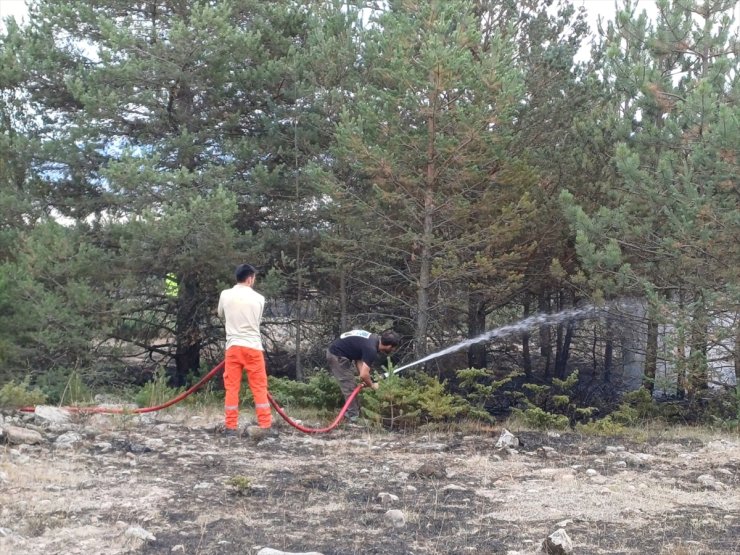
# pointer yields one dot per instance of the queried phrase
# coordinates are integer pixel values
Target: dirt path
(168, 484)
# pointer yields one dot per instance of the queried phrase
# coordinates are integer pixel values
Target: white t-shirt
(241, 309)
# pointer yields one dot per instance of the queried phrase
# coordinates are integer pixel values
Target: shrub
(551, 406)
(64, 386)
(320, 392)
(240, 485)
(156, 391)
(479, 386)
(606, 426)
(535, 417)
(402, 402)
(641, 401)
(19, 394)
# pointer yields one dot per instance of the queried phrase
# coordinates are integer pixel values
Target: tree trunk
(608, 350)
(425, 270)
(633, 336)
(594, 359)
(476, 326)
(545, 347)
(187, 333)
(736, 353)
(651, 353)
(298, 339)
(681, 362)
(343, 315)
(563, 349)
(299, 267)
(526, 357)
(698, 370)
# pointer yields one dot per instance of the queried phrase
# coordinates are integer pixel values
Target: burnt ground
(170, 484)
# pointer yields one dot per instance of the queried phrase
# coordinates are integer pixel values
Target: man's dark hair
(390, 337)
(244, 272)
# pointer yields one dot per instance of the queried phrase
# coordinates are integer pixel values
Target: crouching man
(353, 353)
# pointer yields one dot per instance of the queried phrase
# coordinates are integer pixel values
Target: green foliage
(607, 426)
(402, 402)
(535, 417)
(723, 410)
(321, 392)
(52, 307)
(478, 386)
(418, 144)
(156, 391)
(536, 393)
(550, 406)
(638, 404)
(636, 407)
(64, 386)
(19, 394)
(566, 384)
(240, 485)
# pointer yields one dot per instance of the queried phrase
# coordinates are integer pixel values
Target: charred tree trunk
(187, 331)
(651, 352)
(545, 347)
(608, 351)
(563, 349)
(526, 357)
(563, 341)
(476, 326)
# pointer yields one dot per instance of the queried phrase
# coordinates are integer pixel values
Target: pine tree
(426, 136)
(672, 229)
(185, 113)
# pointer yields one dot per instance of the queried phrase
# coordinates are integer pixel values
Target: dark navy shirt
(356, 345)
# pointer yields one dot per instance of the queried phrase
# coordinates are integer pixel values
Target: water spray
(503, 331)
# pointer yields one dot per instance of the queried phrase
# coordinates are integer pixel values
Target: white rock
(387, 498)
(139, 533)
(51, 414)
(396, 518)
(68, 440)
(507, 439)
(20, 436)
(558, 543)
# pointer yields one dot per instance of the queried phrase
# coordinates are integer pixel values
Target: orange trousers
(239, 359)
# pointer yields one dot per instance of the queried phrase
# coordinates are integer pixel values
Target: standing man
(241, 310)
(356, 351)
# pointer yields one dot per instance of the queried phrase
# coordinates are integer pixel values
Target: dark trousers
(343, 369)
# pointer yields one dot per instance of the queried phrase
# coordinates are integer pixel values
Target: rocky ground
(169, 483)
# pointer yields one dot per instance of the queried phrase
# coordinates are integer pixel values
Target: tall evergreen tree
(673, 227)
(427, 133)
(185, 113)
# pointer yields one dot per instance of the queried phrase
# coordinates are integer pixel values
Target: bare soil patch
(167, 483)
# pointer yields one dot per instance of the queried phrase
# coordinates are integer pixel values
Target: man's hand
(365, 374)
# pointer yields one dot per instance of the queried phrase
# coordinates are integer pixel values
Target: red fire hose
(329, 428)
(196, 387)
